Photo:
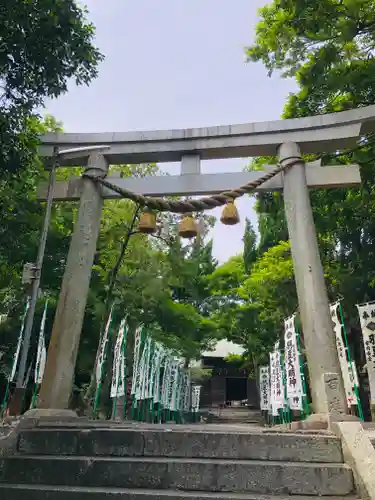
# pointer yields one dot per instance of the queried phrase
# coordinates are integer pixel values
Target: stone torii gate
(286, 138)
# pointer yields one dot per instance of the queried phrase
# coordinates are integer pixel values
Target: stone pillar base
(50, 413)
(322, 421)
(16, 402)
(316, 422)
(37, 416)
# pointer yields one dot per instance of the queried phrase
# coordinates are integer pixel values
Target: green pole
(356, 391)
(41, 336)
(139, 402)
(136, 361)
(304, 387)
(121, 376)
(286, 408)
(15, 359)
(124, 352)
(158, 406)
(133, 406)
(151, 382)
(99, 386)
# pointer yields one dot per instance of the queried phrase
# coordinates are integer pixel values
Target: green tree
(327, 47)
(249, 246)
(250, 307)
(186, 316)
(44, 43)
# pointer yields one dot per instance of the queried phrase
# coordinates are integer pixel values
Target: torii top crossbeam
(322, 133)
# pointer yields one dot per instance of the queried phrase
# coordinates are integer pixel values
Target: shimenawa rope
(183, 207)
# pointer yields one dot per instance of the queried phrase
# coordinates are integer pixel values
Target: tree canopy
(44, 43)
(327, 46)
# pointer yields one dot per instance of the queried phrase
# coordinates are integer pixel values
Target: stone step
(28, 492)
(219, 419)
(293, 478)
(180, 443)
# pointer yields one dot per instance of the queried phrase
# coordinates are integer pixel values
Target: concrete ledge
(359, 453)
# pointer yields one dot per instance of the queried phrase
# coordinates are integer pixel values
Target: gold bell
(147, 223)
(230, 215)
(188, 227)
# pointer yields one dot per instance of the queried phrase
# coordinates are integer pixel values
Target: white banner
(264, 388)
(41, 355)
(277, 384)
(187, 392)
(346, 368)
(353, 373)
(173, 386)
(119, 364)
(141, 371)
(166, 381)
(367, 318)
(19, 343)
(103, 347)
(155, 378)
(146, 381)
(294, 388)
(121, 388)
(296, 402)
(195, 398)
(180, 389)
(136, 359)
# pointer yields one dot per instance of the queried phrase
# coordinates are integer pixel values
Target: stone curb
(359, 453)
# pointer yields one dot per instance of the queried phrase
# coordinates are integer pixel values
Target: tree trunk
(88, 398)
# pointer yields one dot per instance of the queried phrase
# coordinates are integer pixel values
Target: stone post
(120, 412)
(316, 320)
(63, 348)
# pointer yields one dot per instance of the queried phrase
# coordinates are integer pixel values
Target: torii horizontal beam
(322, 133)
(208, 184)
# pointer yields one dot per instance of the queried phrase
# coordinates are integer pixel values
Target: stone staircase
(233, 415)
(165, 462)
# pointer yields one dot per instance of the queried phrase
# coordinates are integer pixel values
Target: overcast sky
(176, 64)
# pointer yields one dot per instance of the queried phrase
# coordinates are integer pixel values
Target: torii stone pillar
(313, 302)
(63, 348)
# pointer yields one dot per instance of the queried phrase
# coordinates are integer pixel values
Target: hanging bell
(188, 227)
(230, 215)
(147, 223)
